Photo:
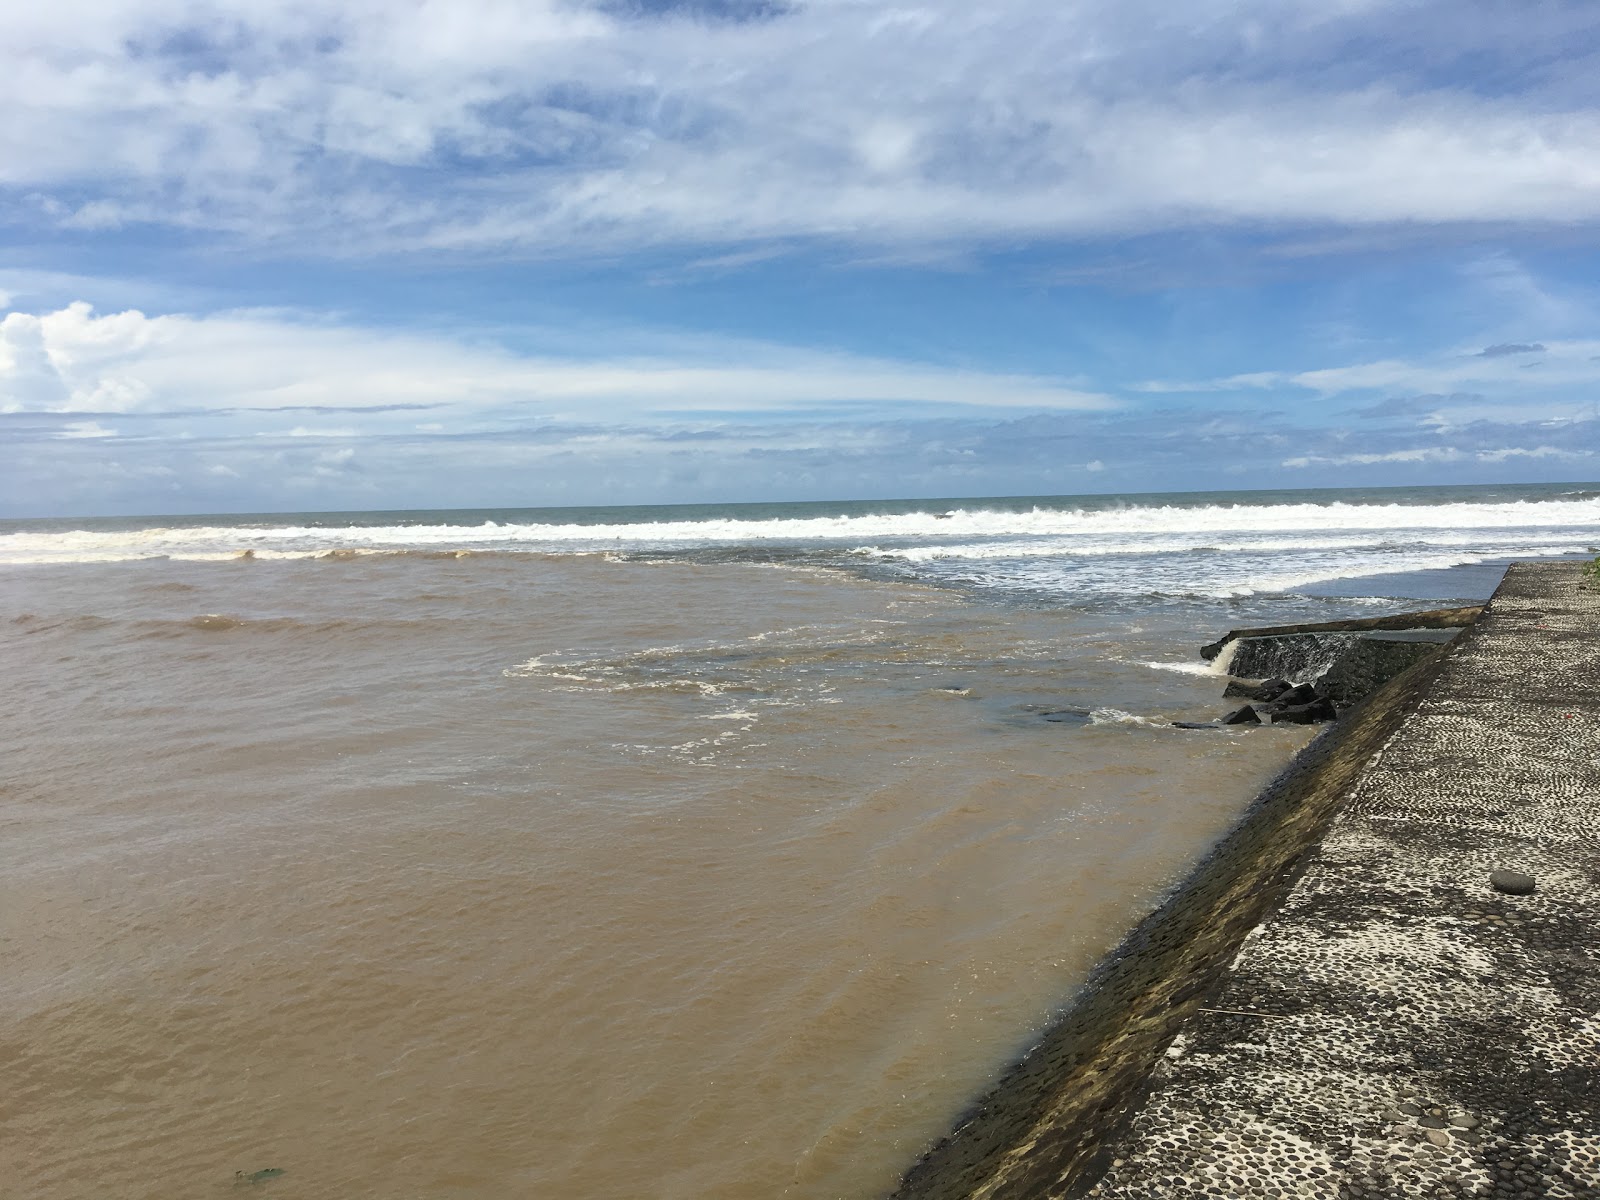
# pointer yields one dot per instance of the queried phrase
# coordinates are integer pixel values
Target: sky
(286, 256)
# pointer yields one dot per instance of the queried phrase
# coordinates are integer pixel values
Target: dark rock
(1300, 693)
(1513, 883)
(1242, 716)
(1265, 691)
(1195, 725)
(1304, 714)
(1296, 714)
(1431, 1122)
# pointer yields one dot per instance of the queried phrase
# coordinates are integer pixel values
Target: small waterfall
(1222, 664)
(1297, 657)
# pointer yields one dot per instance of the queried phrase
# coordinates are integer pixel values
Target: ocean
(712, 852)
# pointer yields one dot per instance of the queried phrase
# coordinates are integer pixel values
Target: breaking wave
(1077, 550)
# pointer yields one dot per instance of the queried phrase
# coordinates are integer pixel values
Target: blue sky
(290, 256)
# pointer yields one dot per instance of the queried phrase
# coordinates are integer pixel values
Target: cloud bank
(75, 360)
(1144, 216)
(125, 412)
(551, 127)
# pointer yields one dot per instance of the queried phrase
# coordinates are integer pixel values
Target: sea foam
(1199, 550)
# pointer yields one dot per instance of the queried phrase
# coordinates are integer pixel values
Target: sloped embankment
(1060, 1117)
(1049, 1120)
(1370, 1003)
(1421, 1016)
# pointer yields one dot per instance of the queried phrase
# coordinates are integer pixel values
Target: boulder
(1320, 709)
(1300, 693)
(1296, 714)
(1265, 691)
(1242, 716)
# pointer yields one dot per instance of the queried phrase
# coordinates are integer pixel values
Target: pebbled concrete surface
(1397, 1027)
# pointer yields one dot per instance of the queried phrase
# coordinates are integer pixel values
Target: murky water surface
(707, 853)
(556, 876)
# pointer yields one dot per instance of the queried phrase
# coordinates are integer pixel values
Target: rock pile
(1279, 701)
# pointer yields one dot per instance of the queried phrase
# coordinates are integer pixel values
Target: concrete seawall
(1338, 1003)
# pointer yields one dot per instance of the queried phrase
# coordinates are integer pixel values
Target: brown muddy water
(556, 876)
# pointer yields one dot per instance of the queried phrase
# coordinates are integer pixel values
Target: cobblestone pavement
(1400, 1027)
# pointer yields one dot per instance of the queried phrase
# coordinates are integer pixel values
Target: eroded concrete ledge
(1433, 618)
(1044, 1130)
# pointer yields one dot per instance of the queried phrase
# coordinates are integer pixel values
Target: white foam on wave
(1115, 716)
(1223, 577)
(970, 532)
(1183, 668)
(1166, 543)
(1204, 552)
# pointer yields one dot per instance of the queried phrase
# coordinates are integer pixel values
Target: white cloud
(1556, 363)
(1433, 454)
(85, 429)
(550, 125)
(1572, 364)
(1436, 454)
(74, 360)
(1509, 452)
(225, 467)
